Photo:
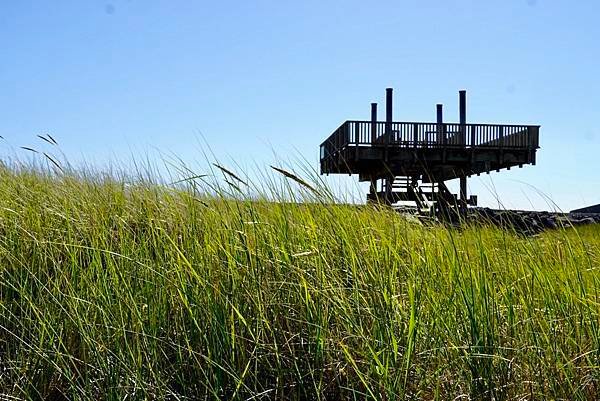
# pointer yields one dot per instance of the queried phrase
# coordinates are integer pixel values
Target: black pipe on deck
(462, 107)
(388, 182)
(373, 122)
(388, 110)
(373, 185)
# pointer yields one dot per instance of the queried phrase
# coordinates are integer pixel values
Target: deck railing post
(533, 133)
(531, 137)
(473, 143)
(373, 122)
(335, 140)
(440, 122)
(356, 138)
(501, 142)
(415, 135)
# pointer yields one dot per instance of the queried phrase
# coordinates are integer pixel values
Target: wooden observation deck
(413, 159)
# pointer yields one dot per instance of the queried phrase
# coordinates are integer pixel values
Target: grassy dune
(110, 291)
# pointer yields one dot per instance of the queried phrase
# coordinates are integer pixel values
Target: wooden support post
(373, 122)
(441, 131)
(373, 189)
(463, 194)
(389, 185)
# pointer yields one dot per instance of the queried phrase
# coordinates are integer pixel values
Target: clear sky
(258, 78)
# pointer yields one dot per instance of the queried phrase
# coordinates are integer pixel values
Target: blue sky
(258, 78)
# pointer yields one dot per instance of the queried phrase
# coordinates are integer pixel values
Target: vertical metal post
(462, 106)
(388, 111)
(462, 103)
(373, 122)
(388, 121)
(440, 122)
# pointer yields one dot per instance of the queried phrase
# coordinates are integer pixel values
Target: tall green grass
(143, 291)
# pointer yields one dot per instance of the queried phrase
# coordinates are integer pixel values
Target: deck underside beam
(432, 164)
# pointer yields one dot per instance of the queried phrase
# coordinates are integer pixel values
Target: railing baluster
(360, 133)
(402, 135)
(363, 134)
(444, 136)
(363, 130)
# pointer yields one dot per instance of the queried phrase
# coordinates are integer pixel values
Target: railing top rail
(445, 122)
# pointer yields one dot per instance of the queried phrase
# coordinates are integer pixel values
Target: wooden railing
(430, 135)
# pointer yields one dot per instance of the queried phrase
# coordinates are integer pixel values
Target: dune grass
(115, 291)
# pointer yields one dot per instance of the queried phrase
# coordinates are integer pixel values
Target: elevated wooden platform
(437, 152)
(407, 156)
